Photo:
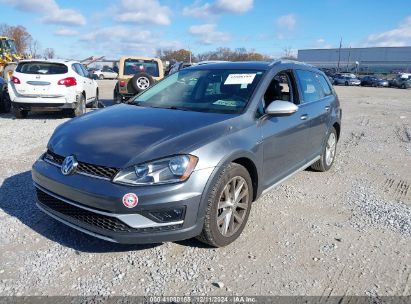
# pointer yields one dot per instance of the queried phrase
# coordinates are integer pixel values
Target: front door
(284, 138)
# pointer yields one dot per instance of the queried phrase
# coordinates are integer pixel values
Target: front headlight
(163, 171)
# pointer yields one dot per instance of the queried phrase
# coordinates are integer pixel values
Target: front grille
(96, 220)
(95, 170)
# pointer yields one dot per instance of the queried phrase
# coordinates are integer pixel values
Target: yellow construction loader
(8, 62)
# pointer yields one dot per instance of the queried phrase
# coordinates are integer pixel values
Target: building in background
(372, 60)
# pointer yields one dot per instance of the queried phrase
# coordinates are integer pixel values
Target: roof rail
(275, 61)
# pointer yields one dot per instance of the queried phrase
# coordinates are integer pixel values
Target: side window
(324, 84)
(84, 70)
(76, 67)
(310, 87)
(281, 87)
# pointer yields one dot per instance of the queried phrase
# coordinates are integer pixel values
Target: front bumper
(94, 206)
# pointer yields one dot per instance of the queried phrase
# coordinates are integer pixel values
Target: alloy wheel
(143, 83)
(232, 206)
(330, 149)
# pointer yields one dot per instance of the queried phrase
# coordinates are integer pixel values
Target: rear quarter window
(41, 68)
(324, 84)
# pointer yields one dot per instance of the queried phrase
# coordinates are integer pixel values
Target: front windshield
(11, 46)
(219, 91)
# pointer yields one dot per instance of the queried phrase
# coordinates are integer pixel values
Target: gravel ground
(344, 232)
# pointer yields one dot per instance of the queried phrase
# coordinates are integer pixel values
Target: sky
(79, 29)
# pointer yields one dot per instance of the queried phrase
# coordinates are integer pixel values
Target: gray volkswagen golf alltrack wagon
(189, 156)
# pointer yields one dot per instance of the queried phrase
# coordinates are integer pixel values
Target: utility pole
(339, 55)
(349, 57)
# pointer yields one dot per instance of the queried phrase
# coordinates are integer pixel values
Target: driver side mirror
(281, 108)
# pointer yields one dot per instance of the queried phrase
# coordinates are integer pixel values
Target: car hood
(123, 135)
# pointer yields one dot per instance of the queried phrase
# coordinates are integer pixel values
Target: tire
(403, 86)
(346, 83)
(101, 77)
(80, 108)
(141, 82)
(325, 163)
(95, 103)
(212, 234)
(5, 102)
(20, 114)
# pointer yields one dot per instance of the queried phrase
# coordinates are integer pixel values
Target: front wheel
(328, 154)
(229, 205)
(101, 77)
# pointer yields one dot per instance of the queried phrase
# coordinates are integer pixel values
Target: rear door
(40, 79)
(317, 98)
(91, 88)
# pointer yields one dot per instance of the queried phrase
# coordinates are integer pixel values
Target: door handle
(304, 117)
(327, 108)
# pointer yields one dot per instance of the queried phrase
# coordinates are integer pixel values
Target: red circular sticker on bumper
(130, 200)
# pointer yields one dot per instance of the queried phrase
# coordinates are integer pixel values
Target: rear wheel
(81, 107)
(229, 205)
(95, 102)
(5, 103)
(328, 154)
(403, 86)
(20, 114)
(346, 83)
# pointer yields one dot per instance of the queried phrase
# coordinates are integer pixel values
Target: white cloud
(399, 36)
(50, 11)
(142, 12)
(208, 34)
(198, 10)
(119, 40)
(287, 21)
(321, 43)
(65, 32)
(206, 10)
(238, 6)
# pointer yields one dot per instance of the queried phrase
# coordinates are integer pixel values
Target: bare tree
(49, 53)
(34, 48)
(288, 53)
(19, 34)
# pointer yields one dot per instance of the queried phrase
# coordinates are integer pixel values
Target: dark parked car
(374, 81)
(401, 81)
(189, 156)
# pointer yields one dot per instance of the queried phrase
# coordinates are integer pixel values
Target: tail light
(122, 83)
(68, 82)
(15, 80)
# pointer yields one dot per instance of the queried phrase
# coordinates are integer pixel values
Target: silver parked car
(347, 80)
(189, 156)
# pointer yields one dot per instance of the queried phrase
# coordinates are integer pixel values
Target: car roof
(63, 61)
(251, 65)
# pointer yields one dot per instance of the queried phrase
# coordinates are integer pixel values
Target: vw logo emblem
(69, 165)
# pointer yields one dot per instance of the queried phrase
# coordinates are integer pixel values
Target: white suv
(44, 85)
(105, 73)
